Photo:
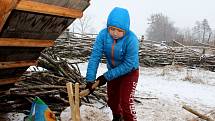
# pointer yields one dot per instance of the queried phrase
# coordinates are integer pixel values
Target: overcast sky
(184, 13)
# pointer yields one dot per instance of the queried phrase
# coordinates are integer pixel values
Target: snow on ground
(88, 113)
(174, 86)
(12, 117)
(160, 94)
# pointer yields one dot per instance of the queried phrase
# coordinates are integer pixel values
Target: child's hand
(89, 86)
(102, 80)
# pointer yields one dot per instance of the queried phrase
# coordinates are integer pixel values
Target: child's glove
(89, 86)
(102, 80)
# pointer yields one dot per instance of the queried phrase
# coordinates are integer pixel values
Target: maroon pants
(121, 95)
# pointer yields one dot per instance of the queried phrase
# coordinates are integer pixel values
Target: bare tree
(202, 31)
(206, 31)
(83, 25)
(185, 36)
(160, 29)
(197, 31)
(213, 37)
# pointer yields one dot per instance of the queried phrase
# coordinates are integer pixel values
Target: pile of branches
(152, 54)
(49, 84)
(73, 47)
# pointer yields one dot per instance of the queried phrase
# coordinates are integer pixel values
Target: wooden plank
(5, 10)
(38, 7)
(25, 42)
(8, 80)
(16, 64)
(75, 4)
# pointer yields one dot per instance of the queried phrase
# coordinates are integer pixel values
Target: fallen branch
(147, 98)
(197, 113)
(39, 87)
(208, 113)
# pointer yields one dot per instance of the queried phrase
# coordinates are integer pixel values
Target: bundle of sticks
(49, 84)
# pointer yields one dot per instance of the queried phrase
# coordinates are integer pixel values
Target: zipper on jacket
(112, 52)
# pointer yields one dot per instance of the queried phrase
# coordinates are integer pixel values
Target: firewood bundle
(74, 47)
(155, 54)
(151, 53)
(49, 84)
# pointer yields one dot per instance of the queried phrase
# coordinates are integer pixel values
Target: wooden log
(196, 118)
(71, 99)
(51, 61)
(42, 93)
(87, 91)
(147, 98)
(74, 103)
(59, 98)
(77, 102)
(38, 87)
(197, 113)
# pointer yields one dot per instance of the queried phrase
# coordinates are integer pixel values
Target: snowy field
(160, 94)
(162, 91)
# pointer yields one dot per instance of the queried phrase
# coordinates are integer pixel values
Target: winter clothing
(119, 18)
(121, 95)
(117, 118)
(121, 54)
(122, 63)
(89, 86)
(102, 80)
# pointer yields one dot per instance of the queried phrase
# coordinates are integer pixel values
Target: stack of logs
(151, 53)
(49, 84)
(74, 47)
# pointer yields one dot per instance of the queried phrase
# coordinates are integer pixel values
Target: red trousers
(120, 93)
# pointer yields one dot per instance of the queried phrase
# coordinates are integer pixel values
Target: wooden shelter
(29, 26)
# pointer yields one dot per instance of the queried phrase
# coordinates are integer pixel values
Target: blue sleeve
(131, 60)
(95, 58)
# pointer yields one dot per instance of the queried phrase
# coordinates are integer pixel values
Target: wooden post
(77, 102)
(71, 99)
(74, 103)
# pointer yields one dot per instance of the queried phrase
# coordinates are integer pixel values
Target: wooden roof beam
(14, 42)
(33, 6)
(6, 7)
(17, 64)
(9, 80)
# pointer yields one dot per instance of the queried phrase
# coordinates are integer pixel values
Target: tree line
(162, 29)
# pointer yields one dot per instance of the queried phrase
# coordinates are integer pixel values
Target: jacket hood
(119, 17)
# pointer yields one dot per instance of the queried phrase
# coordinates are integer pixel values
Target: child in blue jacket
(120, 47)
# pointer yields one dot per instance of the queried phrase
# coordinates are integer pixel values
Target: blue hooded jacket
(122, 55)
